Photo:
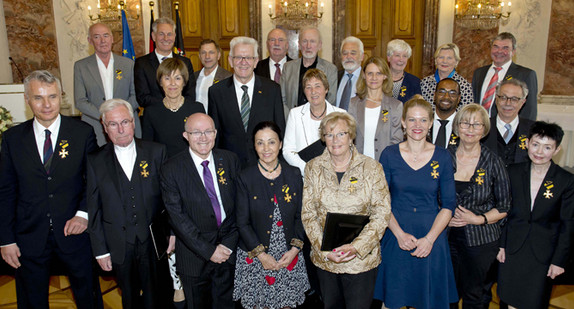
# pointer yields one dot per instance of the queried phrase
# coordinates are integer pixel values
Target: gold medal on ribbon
(119, 74)
(220, 173)
(64, 152)
(548, 185)
(522, 140)
(385, 114)
(144, 165)
(288, 197)
(434, 165)
(480, 176)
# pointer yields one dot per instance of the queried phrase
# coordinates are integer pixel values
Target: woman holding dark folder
(416, 270)
(343, 181)
(270, 270)
(302, 129)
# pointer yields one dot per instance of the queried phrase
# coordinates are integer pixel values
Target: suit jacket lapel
(110, 162)
(30, 147)
(222, 180)
(95, 72)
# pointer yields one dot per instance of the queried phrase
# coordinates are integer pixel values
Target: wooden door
(377, 22)
(219, 20)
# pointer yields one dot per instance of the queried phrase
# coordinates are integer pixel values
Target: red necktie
(489, 94)
(277, 73)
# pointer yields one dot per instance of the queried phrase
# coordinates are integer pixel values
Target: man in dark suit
(352, 54)
(277, 46)
(509, 131)
(43, 212)
(198, 188)
(148, 91)
(212, 73)
(485, 79)
(124, 197)
(447, 99)
(237, 104)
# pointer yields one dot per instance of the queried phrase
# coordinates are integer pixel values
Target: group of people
(248, 191)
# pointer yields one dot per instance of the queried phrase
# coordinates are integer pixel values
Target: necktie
(163, 58)
(48, 151)
(346, 96)
(490, 90)
(208, 181)
(441, 137)
(277, 73)
(508, 134)
(245, 107)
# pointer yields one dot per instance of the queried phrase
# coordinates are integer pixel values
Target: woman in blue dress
(416, 270)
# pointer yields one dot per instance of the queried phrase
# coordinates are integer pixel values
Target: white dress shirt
(343, 82)
(239, 92)
(160, 57)
(487, 79)
(371, 122)
(273, 68)
(127, 158)
(447, 131)
(197, 162)
(203, 84)
(107, 75)
(500, 125)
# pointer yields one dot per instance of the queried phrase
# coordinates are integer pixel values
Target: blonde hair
(330, 121)
(467, 112)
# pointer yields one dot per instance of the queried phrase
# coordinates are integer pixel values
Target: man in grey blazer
(103, 76)
(212, 73)
(291, 90)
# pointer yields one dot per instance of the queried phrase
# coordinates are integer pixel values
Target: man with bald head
(277, 46)
(103, 76)
(310, 44)
(198, 189)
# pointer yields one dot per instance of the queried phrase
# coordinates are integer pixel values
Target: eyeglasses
(114, 125)
(338, 135)
(451, 93)
(466, 125)
(198, 134)
(503, 98)
(240, 58)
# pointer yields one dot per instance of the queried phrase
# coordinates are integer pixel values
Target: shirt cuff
(82, 214)
(102, 256)
(7, 245)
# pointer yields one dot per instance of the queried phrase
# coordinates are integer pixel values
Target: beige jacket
(363, 191)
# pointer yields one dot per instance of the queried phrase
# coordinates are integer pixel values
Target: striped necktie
(245, 108)
(490, 90)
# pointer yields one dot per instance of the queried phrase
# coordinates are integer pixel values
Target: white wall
(5, 68)
(325, 27)
(445, 22)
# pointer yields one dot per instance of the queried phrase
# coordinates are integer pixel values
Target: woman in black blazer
(536, 240)
(270, 270)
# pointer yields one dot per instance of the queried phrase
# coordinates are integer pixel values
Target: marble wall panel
(31, 36)
(559, 75)
(474, 48)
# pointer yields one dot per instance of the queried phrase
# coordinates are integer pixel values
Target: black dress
(163, 126)
(269, 220)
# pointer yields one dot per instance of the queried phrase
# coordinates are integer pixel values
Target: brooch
(285, 190)
(403, 91)
(64, 152)
(548, 185)
(522, 140)
(434, 173)
(221, 179)
(480, 178)
(352, 180)
(453, 139)
(143, 166)
(119, 74)
(385, 114)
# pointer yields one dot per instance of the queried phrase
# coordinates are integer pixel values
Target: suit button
(268, 232)
(123, 228)
(51, 195)
(131, 188)
(414, 210)
(49, 177)
(133, 206)
(270, 216)
(48, 215)
(133, 197)
(271, 199)
(376, 139)
(271, 183)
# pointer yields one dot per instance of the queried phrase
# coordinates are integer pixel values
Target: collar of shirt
(107, 75)
(161, 56)
(126, 157)
(202, 72)
(272, 67)
(344, 80)
(500, 125)
(448, 128)
(202, 86)
(40, 135)
(239, 92)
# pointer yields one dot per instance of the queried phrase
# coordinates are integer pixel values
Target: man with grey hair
(508, 140)
(277, 46)
(310, 44)
(148, 91)
(352, 54)
(43, 213)
(124, 198)
(240, 102)
(103, 76)
(486, 78)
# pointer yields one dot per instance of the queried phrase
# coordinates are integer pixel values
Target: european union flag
(128, 45)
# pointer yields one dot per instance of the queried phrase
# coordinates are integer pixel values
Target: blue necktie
(346, 96)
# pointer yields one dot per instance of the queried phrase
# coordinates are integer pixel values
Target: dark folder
(341, 229)
(160, 232)
(310, 152)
